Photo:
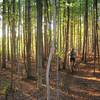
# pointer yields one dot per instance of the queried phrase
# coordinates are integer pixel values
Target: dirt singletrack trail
(81, 85)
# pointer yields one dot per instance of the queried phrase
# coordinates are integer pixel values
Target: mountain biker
(73, 57)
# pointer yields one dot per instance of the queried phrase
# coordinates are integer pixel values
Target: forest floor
(81, 85)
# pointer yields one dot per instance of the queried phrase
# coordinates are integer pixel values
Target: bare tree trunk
(4, 36)
(71, 36)
(39, 44)
(95, 29)
(28, 44)
(80, 29)
(84, 55)
(64, 27)
(13, 44)
(8, 31)
(51, 50)
(45, 31)
(19, 26)
(67, 35)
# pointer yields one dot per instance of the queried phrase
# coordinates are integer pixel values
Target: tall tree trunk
(71, 35)
(28, 43)
(95, 31)
(67, 35)
(80, 29)
(39, 43)
(96, 5)
(25, 32)
(51, 49)
(60, 33)
(78, 34)
(4, 35)
(84, 55)
(13, 42)
(19, 28)
(64, 17)
(45, 30)
(8, 32)
(58, 27)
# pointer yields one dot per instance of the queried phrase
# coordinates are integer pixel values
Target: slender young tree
(71, 29)
(80, 25)
(19, 28)
(25, 32)
(8, 31)
(51, 49)
(13, 41)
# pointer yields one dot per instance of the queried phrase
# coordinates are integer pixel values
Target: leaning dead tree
(52, 49)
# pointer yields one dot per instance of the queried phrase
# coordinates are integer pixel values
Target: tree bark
(28, 43)
(4, 35)
(67, 35)
(39, 44)
(84, 55)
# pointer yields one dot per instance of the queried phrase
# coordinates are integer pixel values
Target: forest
(49, 50)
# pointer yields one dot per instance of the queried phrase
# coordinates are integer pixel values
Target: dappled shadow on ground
(81, 85)
(85, 84)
